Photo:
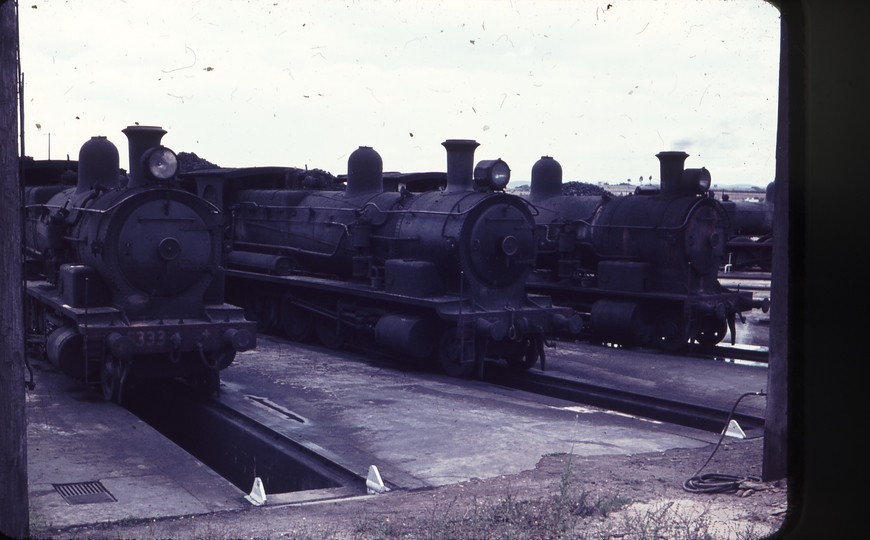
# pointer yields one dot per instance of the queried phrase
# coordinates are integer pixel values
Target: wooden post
(14, 518)
(774, 461)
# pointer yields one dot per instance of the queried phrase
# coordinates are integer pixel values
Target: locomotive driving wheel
(296, 322)
(110, 379)
(711, 333)
(450, 356)
(526, 360)
(263, 311)
(671, 331)
(331, 334)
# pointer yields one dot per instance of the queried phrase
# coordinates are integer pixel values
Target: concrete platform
(73, 436)
(420, 428)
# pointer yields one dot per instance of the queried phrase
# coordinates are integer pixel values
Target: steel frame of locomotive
(126, 281)
(642, 268)
(439, 274)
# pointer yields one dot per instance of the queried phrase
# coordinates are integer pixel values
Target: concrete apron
(421, 428)
(73, 436)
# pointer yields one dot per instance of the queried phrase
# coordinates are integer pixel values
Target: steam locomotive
(750, 237)
(643, 268)
(432, 275)
(125, 277)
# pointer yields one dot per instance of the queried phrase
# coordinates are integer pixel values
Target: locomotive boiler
(750, 237)
(125, 277)
(434, 275)
(642, 268)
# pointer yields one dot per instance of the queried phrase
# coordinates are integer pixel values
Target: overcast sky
(600, 86)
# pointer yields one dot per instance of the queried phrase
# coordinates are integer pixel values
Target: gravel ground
(565, 496)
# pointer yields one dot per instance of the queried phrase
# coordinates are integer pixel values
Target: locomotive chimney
(98, 164)
(671, 171)
(141, 138)
(365, 172)
(460, 164)
(546, 179)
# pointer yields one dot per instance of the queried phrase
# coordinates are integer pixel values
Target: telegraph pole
(14, 518)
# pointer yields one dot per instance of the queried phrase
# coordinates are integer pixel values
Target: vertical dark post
(14, 520)
(774, 462)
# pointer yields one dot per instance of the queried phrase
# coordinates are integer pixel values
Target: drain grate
(84, 492)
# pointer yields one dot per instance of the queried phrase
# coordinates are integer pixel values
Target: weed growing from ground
(612, 503)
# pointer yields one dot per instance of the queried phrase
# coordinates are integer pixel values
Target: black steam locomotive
(124, 273)
(750, 237)
(643, 268)
(439, 274)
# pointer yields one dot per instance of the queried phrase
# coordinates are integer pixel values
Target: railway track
(760, 356)
(719, 352)
(654, 408)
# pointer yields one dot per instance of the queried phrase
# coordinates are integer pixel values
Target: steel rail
(654, 408)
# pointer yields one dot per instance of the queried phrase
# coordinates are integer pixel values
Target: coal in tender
(188, 162)
(582, 189)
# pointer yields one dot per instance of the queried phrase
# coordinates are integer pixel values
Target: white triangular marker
(374, 484)
(734, 430)
(258, 494)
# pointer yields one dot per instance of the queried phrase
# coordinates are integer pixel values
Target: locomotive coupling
(239, 340)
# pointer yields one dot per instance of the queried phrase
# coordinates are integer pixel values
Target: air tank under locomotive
(126, 281)
(426, 275)
(643, 267)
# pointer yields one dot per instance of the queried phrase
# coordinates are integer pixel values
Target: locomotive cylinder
(63, 347)
(405, 334)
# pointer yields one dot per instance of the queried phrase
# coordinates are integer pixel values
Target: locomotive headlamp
(696, 180)
(160, 163)
(492, 173)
